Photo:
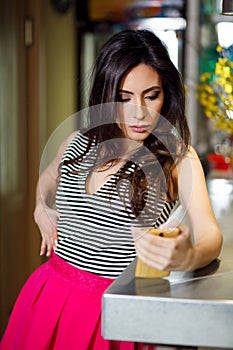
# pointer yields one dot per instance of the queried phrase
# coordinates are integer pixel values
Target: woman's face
(140, 98)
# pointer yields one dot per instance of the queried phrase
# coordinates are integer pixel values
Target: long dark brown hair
(169, 141)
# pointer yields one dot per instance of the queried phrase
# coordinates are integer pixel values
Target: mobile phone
(168, 232)
(145, 271)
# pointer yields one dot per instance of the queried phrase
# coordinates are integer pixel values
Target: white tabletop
(187, 309)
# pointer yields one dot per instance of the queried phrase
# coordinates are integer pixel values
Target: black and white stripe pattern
(94, 230)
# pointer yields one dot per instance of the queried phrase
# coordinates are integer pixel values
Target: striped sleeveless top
(94, 231)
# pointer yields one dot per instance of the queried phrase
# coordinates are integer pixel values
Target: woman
(122, 174)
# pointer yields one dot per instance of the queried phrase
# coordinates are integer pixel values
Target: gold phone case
(146, 271)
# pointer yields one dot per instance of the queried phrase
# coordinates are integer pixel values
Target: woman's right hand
(46, 219)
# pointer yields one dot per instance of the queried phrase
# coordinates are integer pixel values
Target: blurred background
(47, 50)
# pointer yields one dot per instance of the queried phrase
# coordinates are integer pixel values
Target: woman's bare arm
(181, 253)
(195, 200)
(45, 215)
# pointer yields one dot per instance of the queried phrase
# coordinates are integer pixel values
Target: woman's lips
(139, 129)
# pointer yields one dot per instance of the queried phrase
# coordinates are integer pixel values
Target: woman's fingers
(49, 242)
(47, 223)
(164, 253)
(154, 259)
(43, 248)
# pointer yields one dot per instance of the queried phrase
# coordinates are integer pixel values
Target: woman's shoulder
(73, 145)
(190, 164)
(77, 140)
(191, 153)
(77, 136)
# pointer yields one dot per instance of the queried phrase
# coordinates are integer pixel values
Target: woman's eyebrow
(152, 88)
(125, 92)
(144, 91)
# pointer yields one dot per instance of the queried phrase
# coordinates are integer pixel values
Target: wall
(37, 92)
(61, 67)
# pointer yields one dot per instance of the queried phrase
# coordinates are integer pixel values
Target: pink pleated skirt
(59, 308)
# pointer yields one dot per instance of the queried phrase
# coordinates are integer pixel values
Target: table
(184, 309)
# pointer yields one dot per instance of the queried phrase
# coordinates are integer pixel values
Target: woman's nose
(140, 111)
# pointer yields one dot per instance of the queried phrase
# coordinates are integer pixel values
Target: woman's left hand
(172, 254)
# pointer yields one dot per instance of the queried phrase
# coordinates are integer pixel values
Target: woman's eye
(152, 97)
(123, 98)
